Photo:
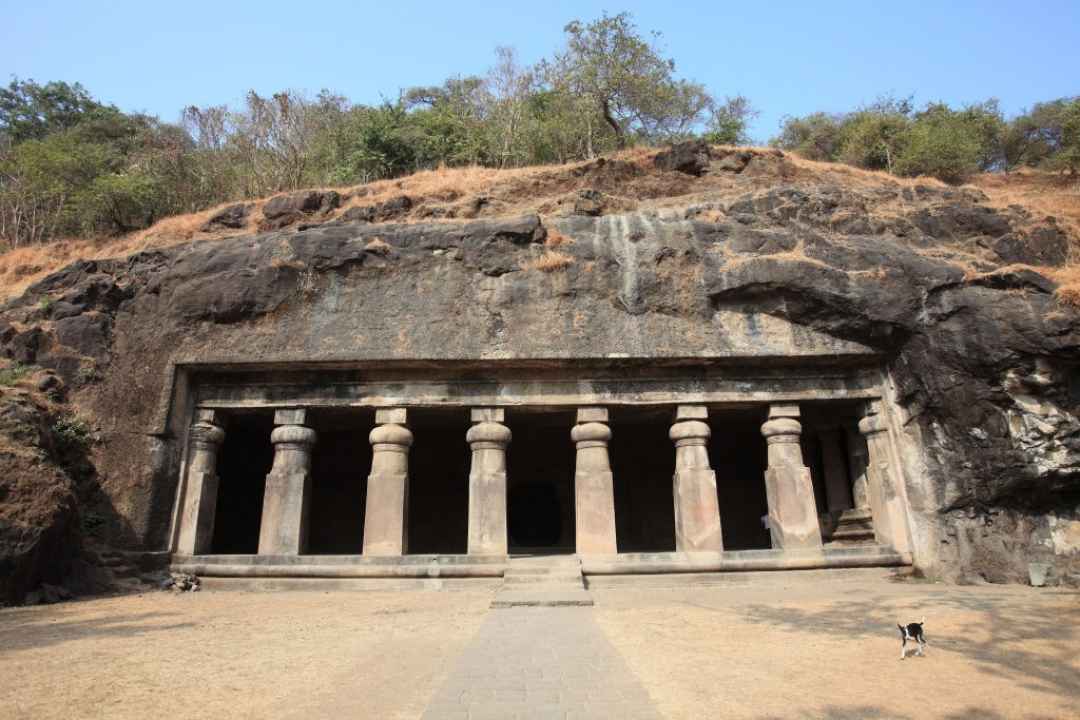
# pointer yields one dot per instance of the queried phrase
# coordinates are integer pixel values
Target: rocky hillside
(637, 254)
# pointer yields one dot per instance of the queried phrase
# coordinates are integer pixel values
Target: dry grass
(549, 261)
(555, 239)
(541, 189)
(377, 246)
(1068, 279)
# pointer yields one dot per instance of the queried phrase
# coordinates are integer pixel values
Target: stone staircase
(543, 581)
(853, 527)
(131, 571)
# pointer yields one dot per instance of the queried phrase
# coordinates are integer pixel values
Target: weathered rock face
(39, 522)
(982, 357)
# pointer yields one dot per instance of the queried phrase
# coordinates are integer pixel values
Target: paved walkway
(548, 663)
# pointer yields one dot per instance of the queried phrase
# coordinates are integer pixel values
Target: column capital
(292, 435)
(488, 434)
(397, 437)
(206, 433)
(781, 430)
(590, 434)
(690, 432)
(874, 420)
(592, 415)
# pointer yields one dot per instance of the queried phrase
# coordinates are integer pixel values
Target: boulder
(691, 157)
(231, 217)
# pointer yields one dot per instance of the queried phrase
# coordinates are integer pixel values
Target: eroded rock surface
(983, 355)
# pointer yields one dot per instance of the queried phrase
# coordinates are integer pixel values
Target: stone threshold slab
(743, 561)
(465, 566)
(552, 598)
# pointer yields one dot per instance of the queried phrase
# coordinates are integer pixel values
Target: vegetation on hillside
(71, 165)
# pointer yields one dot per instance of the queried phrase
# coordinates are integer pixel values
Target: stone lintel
(592, 415)
(290, 416)
(391, 416)
(209, 416)
(784, 410)
(481, 415)
(691, 412)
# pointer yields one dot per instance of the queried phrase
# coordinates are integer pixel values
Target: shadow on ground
(22, 630)
(998, 643)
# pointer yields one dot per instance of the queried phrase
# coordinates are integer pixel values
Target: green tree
(816, 137)
(941, 143)
(627, 81)
(29, 111)
(728, 122)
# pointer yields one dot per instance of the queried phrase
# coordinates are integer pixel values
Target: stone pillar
(288, 486)
(201, 489)
(793, 519)
(488, 439)
(385, 529)
(837, 482)
(857, 465)
(594, 488)
(697, 509)
(884, 504)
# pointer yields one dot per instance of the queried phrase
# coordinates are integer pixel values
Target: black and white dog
(914, 633)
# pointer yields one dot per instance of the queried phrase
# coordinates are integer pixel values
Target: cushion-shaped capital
(782, 429)
(391, 435)
(590, 432)
(488, 432)
(207, 433)
(293, 434)
(690, 430)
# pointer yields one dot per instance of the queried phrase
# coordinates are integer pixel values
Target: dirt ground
(777, 649)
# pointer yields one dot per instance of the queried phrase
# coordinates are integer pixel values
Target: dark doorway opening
(540, 482)
(643, 461)
(438, 504)
(340, 465)
(244, 460)
(738, 455)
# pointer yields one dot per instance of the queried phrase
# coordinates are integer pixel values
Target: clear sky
(787, 57)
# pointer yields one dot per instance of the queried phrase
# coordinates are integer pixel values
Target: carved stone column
(201, 489)
(885, 506)
(594, 489)
(385, 530)
(697, 510)
(288, 486)
(837, 482)
(857, 465)
(488, 439)
(793, 519)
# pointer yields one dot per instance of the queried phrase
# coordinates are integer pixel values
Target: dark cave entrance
(739, 458)
(540, 483)
(438, 497)
(643, 462)
(244, 461)
(340, 465)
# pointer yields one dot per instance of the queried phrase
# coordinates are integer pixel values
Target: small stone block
(390, 416)
(691, 412)
(480, 415)
(784, 410)
(207, 415)
(592, 414)
(290, 416)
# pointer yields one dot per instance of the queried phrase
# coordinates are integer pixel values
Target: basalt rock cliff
(633, 258)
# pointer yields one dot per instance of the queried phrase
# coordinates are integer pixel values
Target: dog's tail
(900, 628)
(923, 620)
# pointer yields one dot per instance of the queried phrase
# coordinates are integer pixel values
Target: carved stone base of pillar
(285, 509)
(384, 519)
(594, 493)
(197, 522)
(697, 512)
(487, 514)
(793, 520)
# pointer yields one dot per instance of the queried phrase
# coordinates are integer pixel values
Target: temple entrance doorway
(540, 483)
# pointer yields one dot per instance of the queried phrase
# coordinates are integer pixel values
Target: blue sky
(787, 57)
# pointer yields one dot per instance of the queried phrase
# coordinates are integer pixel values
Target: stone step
(543, 598)
(847, 533)
(543, 580)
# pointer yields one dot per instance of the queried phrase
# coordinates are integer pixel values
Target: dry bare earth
(778, 649)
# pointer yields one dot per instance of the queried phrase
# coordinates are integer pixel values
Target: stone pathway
(540, 662)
